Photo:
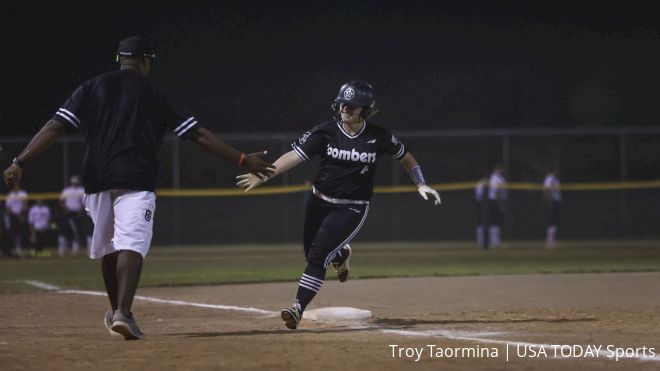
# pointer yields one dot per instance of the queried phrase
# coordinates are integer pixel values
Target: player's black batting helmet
(357, 94)
(135, 46)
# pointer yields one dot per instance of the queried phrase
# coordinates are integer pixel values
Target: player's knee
(315, 257)
(315, 260)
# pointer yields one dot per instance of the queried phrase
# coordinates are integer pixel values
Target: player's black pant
(18, 230)
(74, 226)
(483, 223)
(495, 213)
(5, 243)
(554, 214)
(39, 240)
(328, 228)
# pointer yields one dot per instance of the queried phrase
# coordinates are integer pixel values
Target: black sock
(129, 267)
(109, 269)
(310, 283)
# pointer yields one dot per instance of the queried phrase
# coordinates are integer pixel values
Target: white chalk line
(452, 335)
(48, 287)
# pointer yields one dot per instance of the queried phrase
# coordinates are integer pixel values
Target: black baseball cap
(135, 46)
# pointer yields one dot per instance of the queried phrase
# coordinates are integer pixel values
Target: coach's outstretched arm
(284, 163)
(48, 135)
(252, 162)
(415, 171)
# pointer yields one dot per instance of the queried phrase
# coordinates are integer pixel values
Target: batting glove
(425, 190)
(250, 181)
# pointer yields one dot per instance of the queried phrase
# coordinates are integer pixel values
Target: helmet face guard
(356, 94)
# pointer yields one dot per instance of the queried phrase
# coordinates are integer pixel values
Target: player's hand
(425, 190)
(12, 175)
(257, 166)
(249, 181)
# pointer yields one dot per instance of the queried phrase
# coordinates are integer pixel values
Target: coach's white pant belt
(338, 201)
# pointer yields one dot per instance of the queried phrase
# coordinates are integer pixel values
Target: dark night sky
(249, 66)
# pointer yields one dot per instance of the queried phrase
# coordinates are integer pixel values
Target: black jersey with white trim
(348, 162)
(125, 119)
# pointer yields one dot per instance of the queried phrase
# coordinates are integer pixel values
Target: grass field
(211, 265)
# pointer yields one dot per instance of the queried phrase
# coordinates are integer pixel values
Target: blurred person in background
(73, 224)
(39, 222)
(5, 243)
(497, 196)
(552, 197)
(481, 200)
(16, 208)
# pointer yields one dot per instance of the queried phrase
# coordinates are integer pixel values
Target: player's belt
(338, 201)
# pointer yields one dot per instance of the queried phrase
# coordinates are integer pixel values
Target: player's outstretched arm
(48, 134)
(252, 162)
(415, 171)
(284, 163)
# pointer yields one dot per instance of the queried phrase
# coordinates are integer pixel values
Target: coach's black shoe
(126, 325)
(291, 317)
(107, 321)
(342, 268)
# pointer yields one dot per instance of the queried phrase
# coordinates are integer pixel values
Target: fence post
(623, 207)
(286, 199)
(509, 219)
(396, 204)
(176, 184)
(176, 164)
(65, 161)
(506, 156)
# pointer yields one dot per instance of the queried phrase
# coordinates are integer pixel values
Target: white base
(336, 314)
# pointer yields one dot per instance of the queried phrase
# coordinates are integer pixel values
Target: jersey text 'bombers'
(348, 162)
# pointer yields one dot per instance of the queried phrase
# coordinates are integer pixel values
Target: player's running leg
(338, 225)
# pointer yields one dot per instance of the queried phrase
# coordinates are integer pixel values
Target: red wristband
(241, 161)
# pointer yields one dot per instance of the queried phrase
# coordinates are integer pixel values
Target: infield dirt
(58, 331)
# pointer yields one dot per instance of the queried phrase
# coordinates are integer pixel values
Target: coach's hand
(425, 190)
(13, 175)
(249, 181)
(257, 166)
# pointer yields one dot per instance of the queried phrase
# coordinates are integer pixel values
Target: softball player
(338, 206)
(481, 198)
(125, 119)
(39, 221)
(4, 237)
(552, 195)
(497, 196)
(16, 204)
(72, 228)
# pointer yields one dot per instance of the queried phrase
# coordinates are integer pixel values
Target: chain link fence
(598, 155)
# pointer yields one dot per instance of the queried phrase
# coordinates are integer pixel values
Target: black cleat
(342, 268)
(291, 317)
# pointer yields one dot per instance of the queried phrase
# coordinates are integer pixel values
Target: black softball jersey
(348, 162)
(125, 120)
